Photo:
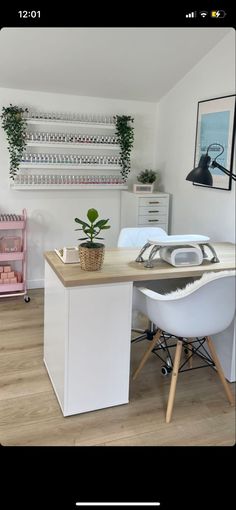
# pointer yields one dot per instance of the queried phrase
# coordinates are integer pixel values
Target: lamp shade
(201, 174)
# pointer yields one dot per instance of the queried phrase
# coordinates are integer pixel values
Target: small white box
(69, 255)
(181, 256)
(143, 188)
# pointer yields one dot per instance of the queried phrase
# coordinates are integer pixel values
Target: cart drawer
(12, 256)
(12, 225)
(11, 287)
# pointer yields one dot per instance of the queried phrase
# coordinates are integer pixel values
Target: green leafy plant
(92, 229)
(147, 176)
(125, 136)
(14, 125)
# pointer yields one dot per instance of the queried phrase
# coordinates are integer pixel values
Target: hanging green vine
(14, 125)
(125, 135)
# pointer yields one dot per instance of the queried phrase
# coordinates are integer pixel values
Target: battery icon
(218, 14)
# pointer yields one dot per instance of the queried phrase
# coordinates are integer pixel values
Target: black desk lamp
(201, 174)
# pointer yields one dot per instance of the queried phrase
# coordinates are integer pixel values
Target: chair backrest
(137, 237)
(204, 307)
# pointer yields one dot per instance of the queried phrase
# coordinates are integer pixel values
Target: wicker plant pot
(91, 259)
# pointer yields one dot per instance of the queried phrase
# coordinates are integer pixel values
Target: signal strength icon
(203, 14)
(192, 14)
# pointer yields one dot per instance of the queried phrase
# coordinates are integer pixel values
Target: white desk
(87, 324)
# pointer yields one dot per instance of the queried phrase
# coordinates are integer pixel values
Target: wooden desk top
(120, 266)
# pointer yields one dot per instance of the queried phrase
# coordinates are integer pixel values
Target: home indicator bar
(119, 504)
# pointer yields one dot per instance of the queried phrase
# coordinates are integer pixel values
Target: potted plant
(91, 254)
(125, 136)
(15, 126)
(146, 178)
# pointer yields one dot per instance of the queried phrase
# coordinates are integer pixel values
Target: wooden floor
(30, 414)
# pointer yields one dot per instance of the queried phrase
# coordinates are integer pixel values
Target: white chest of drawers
(144, 209)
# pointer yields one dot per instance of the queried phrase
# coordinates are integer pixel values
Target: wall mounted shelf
(93, 153)
(35, 187)
(61, 122)
(69, 166)
(68, 145)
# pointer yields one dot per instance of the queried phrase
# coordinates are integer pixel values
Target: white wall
(164, 139)
(51, 213)
(195, 210)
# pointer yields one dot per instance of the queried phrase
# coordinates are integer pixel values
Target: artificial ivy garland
(125, 135)
(14, 125)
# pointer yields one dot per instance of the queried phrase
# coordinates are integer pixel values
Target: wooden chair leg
(147, 353)
(219, 370)
(190, 357)
(173, 381)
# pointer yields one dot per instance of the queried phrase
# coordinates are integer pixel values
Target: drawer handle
(153, 202)
(153, 211)
(153, 220)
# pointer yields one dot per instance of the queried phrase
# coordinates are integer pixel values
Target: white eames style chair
(203, 308)
(135, 237)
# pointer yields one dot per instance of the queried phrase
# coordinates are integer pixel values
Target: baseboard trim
(35, 284)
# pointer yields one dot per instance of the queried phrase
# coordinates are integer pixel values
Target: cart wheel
(27, 299)
(165, 370)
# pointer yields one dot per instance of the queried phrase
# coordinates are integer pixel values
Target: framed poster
(216, 125)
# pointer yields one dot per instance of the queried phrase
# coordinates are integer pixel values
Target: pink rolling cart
(13, 248)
